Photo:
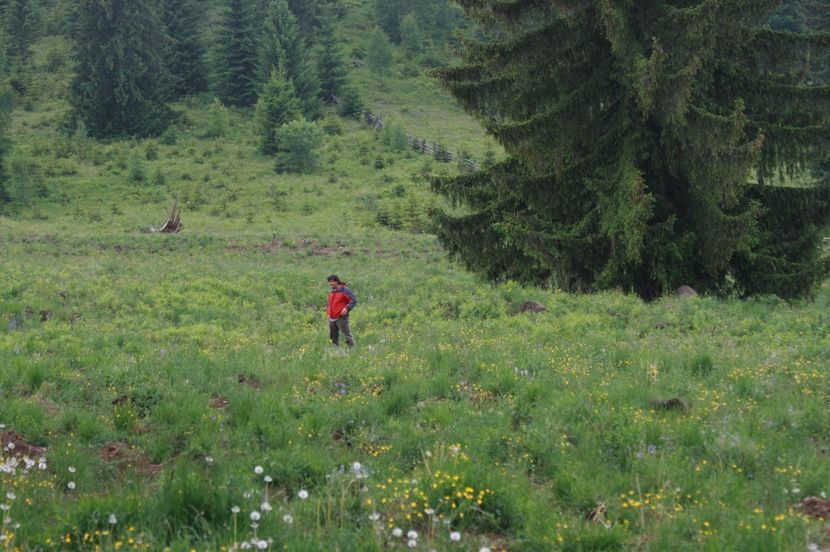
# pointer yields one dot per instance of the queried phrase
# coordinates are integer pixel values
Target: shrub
(394, 136)
(218, 120)
(299, 142)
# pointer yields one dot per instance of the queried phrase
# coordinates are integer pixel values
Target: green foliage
(235, 54)
(394, 136)
(379, 55)
(21, 28)
(282, 46)
(185, 54)
(298, 142)
(218, 120)
(633, 160)
(412, 37)
(277, 106)
(26, 178)
(351, 103)
(330, 63)
(121, 81)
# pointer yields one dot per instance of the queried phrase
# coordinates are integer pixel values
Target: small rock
(533, 306)
(686, 291)
(250, 382)
(671, 404)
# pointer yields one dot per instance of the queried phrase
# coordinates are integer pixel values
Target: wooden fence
(436, 150)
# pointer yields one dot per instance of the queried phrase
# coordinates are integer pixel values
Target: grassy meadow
(178, 392)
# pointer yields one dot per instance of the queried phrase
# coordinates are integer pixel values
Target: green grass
(121, 352)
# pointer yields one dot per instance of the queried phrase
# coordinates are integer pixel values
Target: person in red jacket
(341, 303)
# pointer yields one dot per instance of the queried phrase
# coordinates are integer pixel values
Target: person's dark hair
(334, 278)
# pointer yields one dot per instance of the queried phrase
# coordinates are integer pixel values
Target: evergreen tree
(121, 80)
(277, 105)
(20, 30)
(306, 12)
(379, 53)
(330, 62)
(236, 57)
(635, 133)
(282, 45)
(185, 56)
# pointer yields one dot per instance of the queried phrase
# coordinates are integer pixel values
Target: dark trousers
(340, 325)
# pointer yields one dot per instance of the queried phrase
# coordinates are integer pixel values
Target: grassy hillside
(182, 393)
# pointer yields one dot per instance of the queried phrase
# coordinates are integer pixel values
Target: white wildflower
(112, 519)
(255, 516)
(455, 536)
(397, 532)
(303, 494)
(288, 518)
(258, 470)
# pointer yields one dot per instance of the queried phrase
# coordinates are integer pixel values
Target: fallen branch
(173, 225)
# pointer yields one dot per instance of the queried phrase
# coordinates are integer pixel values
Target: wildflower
(429, 511)
(397, 532)
(265, 507)
(5, 507)
(262, 545)
(288, 518)
(412, 543)
(268, 479)
(112, 519)
(412, 535)
(303, 494)
(71, 485)
(209, 459)
(235, 509)
(484, 549)
(258, 470)
(455, 536)
(10, 495)
(71, 469)
(374, 516)
(255, 516)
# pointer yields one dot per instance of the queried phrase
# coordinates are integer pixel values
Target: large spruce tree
(330, 63)
(236, 56)
(645, 141)
(185, 55)
(122, 80)
(282, 45)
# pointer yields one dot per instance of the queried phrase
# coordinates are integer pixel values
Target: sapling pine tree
(277, 105)
(121, 80)
(379, 55)
(645, 141)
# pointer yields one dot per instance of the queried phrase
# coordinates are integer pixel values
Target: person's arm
(352, 299)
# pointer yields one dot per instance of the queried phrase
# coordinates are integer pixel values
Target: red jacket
(339, 299)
